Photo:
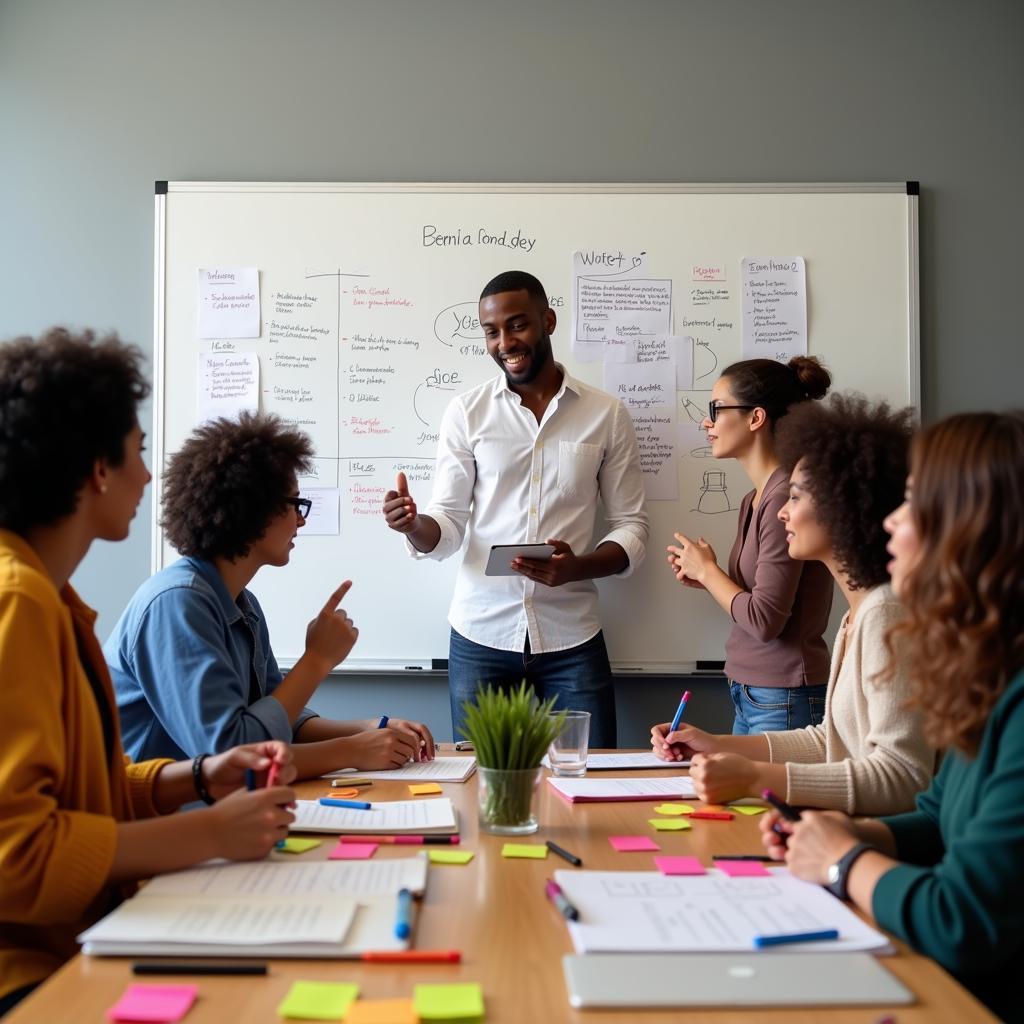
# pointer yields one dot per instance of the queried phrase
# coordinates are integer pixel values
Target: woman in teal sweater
(945, 878)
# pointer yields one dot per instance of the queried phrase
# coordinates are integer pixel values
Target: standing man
(523, 458)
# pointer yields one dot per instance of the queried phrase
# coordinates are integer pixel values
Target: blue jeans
(580, 679)
(775, 708)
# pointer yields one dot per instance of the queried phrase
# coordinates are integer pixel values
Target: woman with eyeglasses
(775, 657)
(78, 826)
(945, 878)
(191, 658)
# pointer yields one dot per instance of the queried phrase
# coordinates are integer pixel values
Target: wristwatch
(840, 871)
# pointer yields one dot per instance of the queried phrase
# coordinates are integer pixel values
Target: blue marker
(403, 919)
(679, 711)
(355, 804)
(383, 723)
(764, 941)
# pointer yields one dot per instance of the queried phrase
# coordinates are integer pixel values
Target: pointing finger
(337, 597)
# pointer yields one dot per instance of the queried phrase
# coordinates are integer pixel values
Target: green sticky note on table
(291, 845)
(448, 1002)
(318, 1000)
(747, 809)
(524, 850)
(450, 856)
(673, 809)
(670, 824)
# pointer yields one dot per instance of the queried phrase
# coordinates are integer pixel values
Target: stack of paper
(625, 762)
(441, 769)
(585, 790)
(391, 817)
(647, 912)
(321, 909)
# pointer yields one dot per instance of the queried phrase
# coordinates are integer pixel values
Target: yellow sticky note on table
(448, 1002)
(524, 850)
(450, 856)
(747, 809)
(291, 845)
(424, 788)
(382, 1011)
(674, 809)
(318, 1000)
(670, 824)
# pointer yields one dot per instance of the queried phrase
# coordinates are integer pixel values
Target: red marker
(714, 815)
(413, 956)
(272, 775)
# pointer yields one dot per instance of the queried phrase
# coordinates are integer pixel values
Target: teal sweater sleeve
(962, 902)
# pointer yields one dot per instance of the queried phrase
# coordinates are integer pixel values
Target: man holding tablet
(522, 461)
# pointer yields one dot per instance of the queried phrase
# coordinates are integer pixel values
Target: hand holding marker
(679, 711)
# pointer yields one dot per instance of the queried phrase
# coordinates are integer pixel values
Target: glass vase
(508, 800)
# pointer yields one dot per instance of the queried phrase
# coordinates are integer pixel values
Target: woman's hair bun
(814, 378)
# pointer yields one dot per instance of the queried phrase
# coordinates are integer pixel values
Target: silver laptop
(727, 979)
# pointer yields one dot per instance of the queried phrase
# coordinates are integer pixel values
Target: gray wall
(98, 98)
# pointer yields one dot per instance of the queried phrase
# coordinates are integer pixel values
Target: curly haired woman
(945, 877)
(848, 461)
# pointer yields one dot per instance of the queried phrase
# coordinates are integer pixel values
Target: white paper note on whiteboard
(774, 308)
(228, 302)
(324, 519)
(228, 383)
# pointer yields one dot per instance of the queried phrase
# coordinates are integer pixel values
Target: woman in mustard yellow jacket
(78, 825)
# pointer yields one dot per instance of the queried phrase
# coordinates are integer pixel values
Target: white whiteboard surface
(367, 331)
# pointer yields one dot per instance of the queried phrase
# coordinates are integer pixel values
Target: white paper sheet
(625, 762)
(324, 519)
(774, 308)
(644, 911)
(396, 816)
(670, 350)
(228, 383)
(273, 878)
(228, 302)
(441, 769)
(582, 790)
(656, 443)
(642, 387)
(615, 299)
(258, 920)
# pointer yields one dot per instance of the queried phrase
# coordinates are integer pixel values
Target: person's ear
(758, 419)
(99, 479)
(550, 320)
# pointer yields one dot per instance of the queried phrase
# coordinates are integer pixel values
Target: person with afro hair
(848, 465)
(191, 658)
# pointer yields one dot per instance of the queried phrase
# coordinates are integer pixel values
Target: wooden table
(512, 939)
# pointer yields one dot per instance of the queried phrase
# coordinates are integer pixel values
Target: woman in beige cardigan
(848, 463)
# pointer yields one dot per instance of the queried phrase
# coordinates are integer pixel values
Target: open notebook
(597, 790)
(320, 909)
(441, 769)
(392, 817)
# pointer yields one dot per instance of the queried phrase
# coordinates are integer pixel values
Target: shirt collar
(208, 571)
(569, 383)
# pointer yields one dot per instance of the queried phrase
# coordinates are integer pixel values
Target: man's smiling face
(518, 334)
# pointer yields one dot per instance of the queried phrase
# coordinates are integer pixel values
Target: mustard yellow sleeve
(54, 860)
(141, 782)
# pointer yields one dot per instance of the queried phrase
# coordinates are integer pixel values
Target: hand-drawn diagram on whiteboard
(713, 496)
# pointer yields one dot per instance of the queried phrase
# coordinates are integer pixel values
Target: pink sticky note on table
(679, 866)
(353, 851)
(743, 868)
(632, 844)
(155, 1003)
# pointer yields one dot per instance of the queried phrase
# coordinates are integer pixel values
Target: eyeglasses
(301, 505)
(714, 410)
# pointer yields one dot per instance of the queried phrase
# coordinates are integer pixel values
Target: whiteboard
(368, 298)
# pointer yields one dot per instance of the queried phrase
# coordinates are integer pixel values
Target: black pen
(741, 856)
(159, 968)
(789, 813)
(564, 854)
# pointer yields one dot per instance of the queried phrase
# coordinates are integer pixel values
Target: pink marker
(679, 711)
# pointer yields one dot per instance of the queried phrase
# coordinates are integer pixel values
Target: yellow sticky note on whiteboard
(424, 788)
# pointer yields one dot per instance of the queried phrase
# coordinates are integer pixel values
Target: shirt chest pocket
(578, 465)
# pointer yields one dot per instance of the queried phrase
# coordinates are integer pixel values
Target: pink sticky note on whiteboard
(352, 851)
(679, 866)
(743, 868)
(154, 1003)
(632, 844)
